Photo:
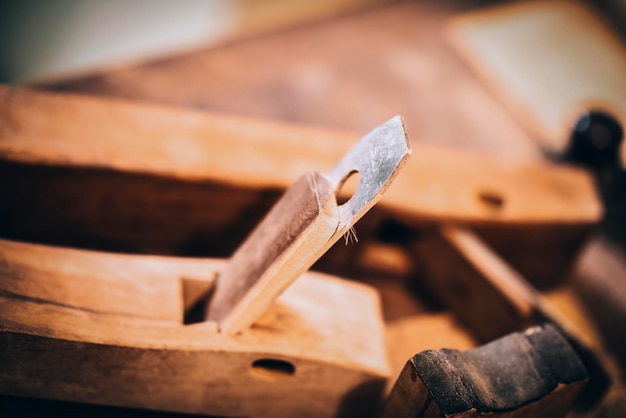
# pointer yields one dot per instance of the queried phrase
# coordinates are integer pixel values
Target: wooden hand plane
(534, 373)
(109, 329)
(115, 329)
(82, 171)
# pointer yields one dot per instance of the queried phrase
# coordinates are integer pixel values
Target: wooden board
(548, 61)
(107, 329)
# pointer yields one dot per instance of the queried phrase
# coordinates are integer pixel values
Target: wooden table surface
(347, 73)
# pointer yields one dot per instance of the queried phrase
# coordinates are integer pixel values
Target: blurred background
(42, 40)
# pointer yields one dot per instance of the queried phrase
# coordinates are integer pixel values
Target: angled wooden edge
(109, 329)
(534, 373)
(280, 249)
(437, 183)
(493, 299)
(547, 80)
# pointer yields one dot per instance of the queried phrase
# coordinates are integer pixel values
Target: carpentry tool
(303, 225)
(82, 170)
(534, 374)
(59, 177)
(91, 184)
(569, 91)
(110, 329)
(493, 299)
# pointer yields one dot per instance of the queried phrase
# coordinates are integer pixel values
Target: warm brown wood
(213, 81)
(492, 299)
(548, 61)
(81, 171)
(107, 329)
(282, 247)
(473, 281)
(531, 374)
(345, 73)
(304, 224)
(542, 255)
(438, 183)
(488, 294)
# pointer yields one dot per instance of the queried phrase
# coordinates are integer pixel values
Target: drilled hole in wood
(348, 186)
(272, 369)
(491, 199)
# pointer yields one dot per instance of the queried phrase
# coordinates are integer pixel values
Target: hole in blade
(348, 187)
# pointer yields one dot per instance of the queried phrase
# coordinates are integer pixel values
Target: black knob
(595, 140)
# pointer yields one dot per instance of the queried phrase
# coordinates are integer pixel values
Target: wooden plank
(439, 183)
(531, 374)
(302, 358)
(94, 283)
(549, 62)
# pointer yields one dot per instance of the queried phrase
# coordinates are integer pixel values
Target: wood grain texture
(425, 81)
(531, 374)
(82, 170)
(282, 247)
(548, 61)
(87, 343)
(437, 183)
